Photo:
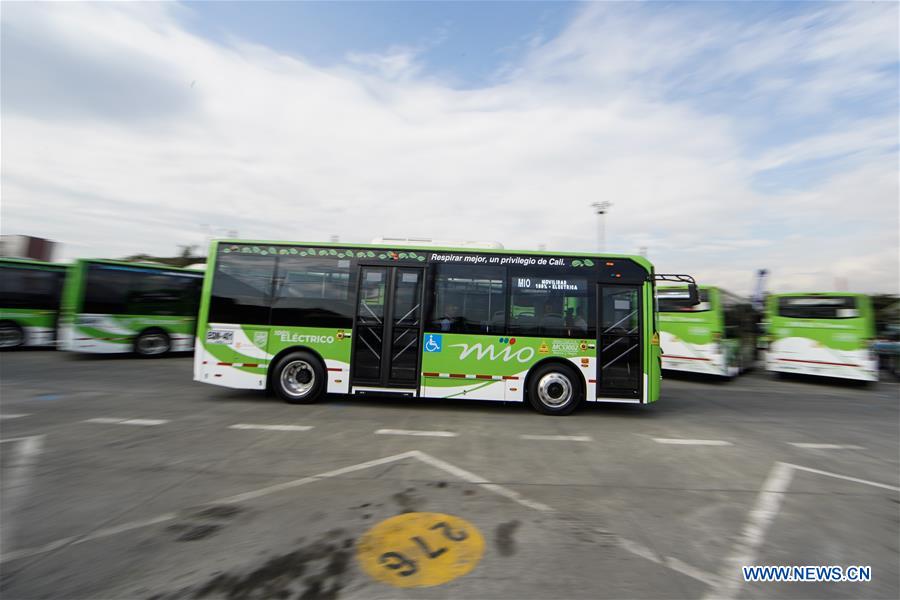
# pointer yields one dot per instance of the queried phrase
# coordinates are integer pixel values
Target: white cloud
(276, 148)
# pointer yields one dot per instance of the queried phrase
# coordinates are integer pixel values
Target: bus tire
(299, 378)
(554, 389)
(11, 335)
(151, 343)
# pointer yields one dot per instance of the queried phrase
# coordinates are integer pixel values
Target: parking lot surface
(122, 478)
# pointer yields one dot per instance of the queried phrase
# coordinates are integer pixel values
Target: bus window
(312, 291)
(164, 294)
(30, 288)
(812, 307)
(242, 288)
(469, 299)
(553, 306)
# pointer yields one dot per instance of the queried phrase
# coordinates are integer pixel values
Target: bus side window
(242, 287)
(468, 299)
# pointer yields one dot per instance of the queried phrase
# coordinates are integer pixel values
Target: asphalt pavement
(123, 478)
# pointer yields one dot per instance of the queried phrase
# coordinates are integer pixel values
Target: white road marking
(114, 421)
(845, 478)
(688, 442)
(17, 482)
(271, 427)
(669, 561)
(812, 446)
(767, 505)
(416, 433)
(768, 502)
(558, 438)
(477, 479)
(14, 415)
(500, 490)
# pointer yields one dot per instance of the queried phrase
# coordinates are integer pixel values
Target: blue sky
(465, 42)
(729, 136)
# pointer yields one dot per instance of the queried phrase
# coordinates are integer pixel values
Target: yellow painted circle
(420, 549)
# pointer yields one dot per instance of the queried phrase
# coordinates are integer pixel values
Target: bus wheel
(299, 378)
(153, 342)
(11, 335)
(554, 390)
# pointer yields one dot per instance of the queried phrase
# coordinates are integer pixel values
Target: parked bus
(30, 293)
(415, 321)
(717, 336)
(828, 334)
(114, 307)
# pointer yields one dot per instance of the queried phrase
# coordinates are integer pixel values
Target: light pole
(601, 209)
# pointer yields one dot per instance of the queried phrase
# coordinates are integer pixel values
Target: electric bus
(30, 293)
(117, 307)
(549, 328)
(825, 333)
(717, 336)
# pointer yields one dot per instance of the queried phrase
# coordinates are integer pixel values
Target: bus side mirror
(693, 294)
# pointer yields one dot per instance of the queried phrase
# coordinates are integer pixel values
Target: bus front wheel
(153, 342)
(554, 390)
(11, 335)
(299, 378)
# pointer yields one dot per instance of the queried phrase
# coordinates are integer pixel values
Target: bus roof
(144, 265)
(34, 263)
(640, 260)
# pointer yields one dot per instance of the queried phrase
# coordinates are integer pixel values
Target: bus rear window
(677, 301)
(818, 307)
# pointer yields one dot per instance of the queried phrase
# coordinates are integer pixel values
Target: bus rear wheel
(553, 389)
(299, 378)
(11, 335)
(153, 342)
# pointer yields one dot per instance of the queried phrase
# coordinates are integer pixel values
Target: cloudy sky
(729, 137)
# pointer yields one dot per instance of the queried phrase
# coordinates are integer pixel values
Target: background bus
(112, 307)
(30, 293)
(428, 322)
(716, 336)
(827, 333)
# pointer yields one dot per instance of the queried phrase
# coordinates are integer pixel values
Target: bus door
(619, 352)
(388, 328)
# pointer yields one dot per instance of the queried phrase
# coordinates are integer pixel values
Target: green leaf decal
(420, 258)
(588, 262)
(370, 254)
(323, 253)
(576, 263)
(293, 251)
(360, 254)
(332, 252)
(403, 255)
(413, 255)
(382, 256)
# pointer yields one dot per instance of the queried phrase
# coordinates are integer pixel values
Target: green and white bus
(418, 321)
(115, 307)
(30, 293)
(824, 333)
(717, 336)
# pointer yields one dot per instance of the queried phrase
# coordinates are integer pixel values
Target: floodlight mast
(601, 208)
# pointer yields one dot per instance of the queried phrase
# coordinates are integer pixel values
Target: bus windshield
(818, 307)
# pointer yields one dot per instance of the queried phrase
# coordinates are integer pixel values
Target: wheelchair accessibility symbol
(433, 343)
